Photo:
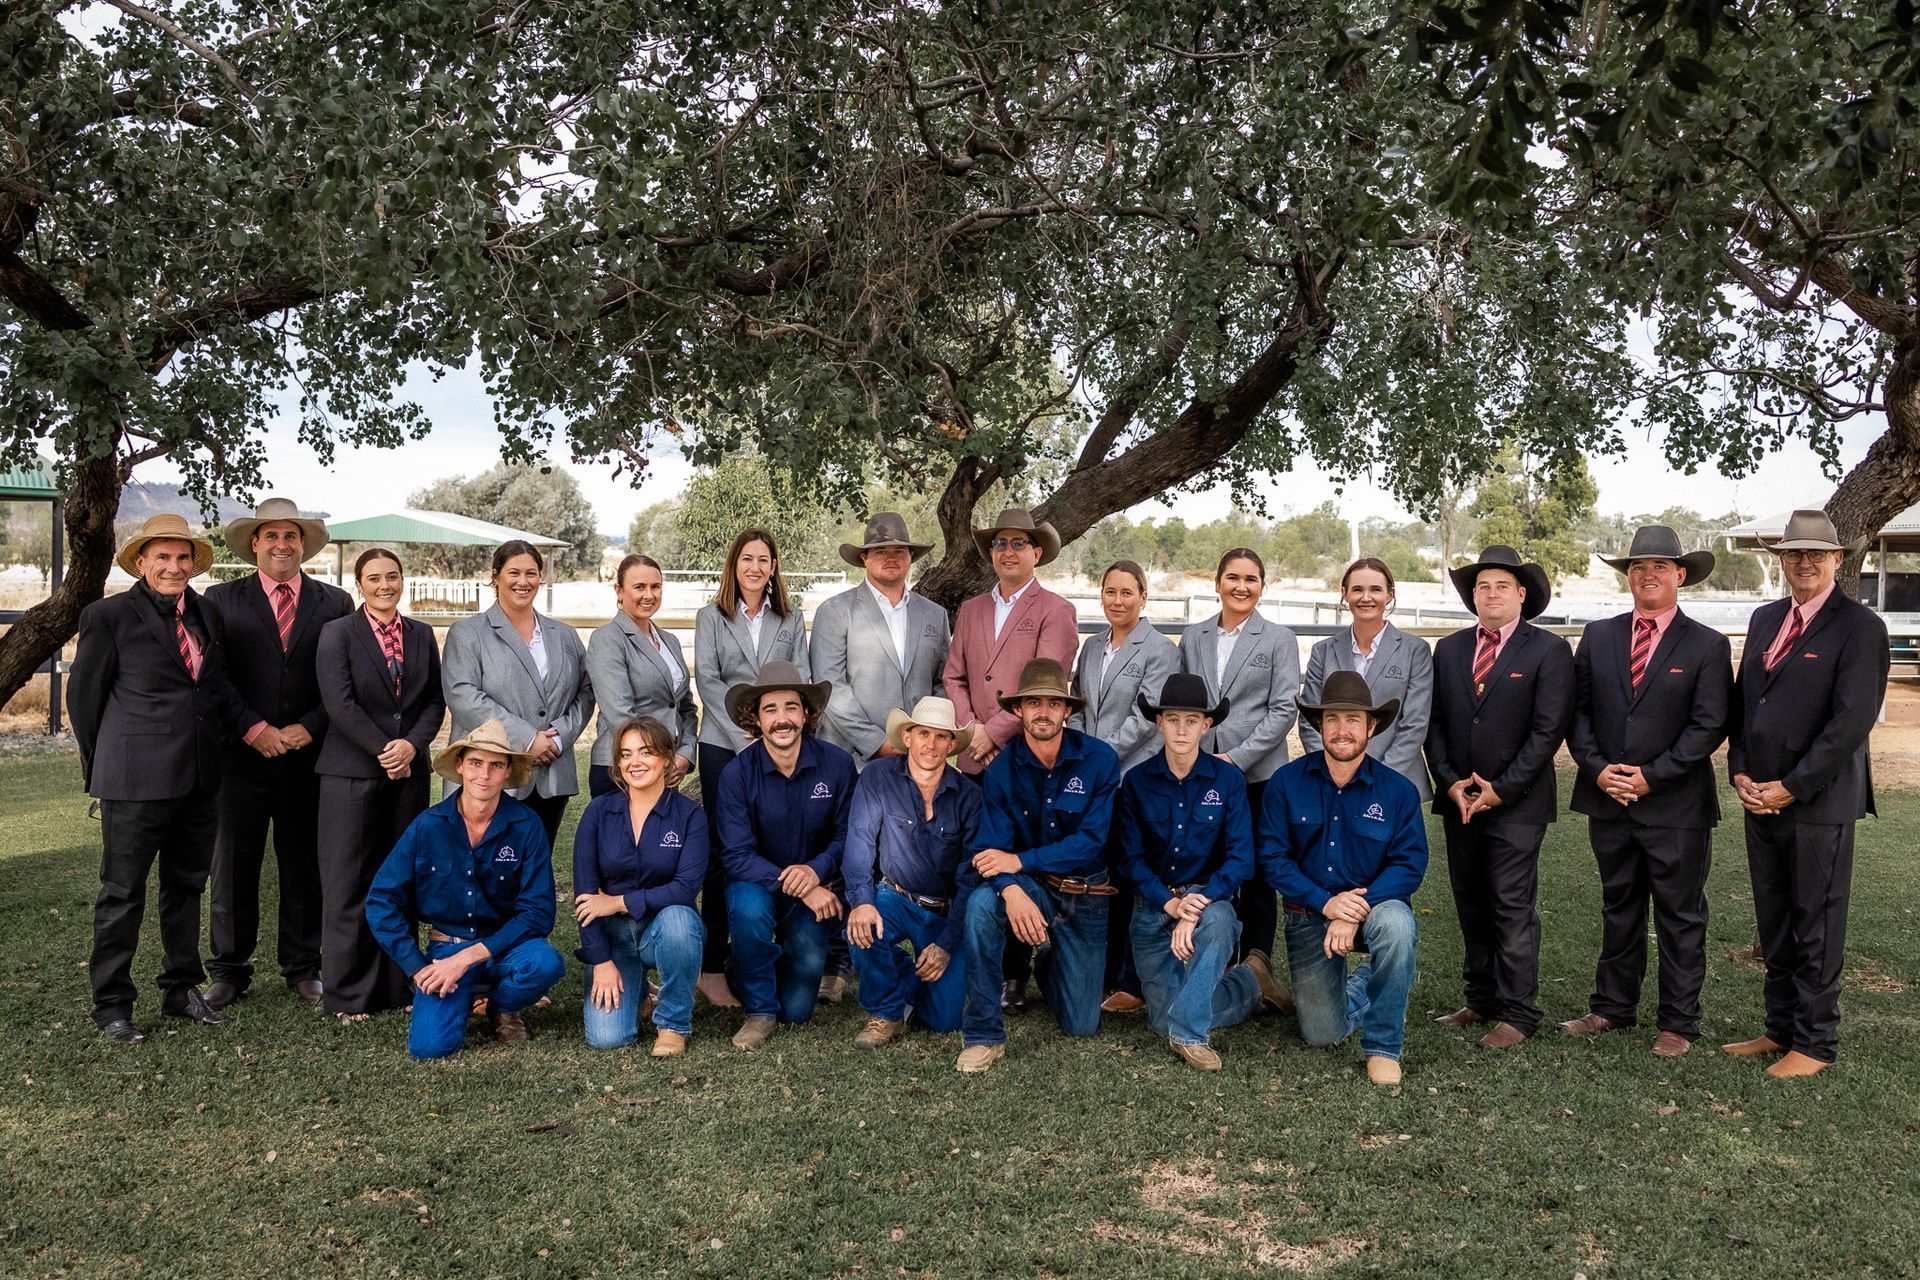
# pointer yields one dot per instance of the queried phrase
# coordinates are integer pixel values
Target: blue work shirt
(1055, 819)
(499, 892)
(889, 836)
(1317, 839)
(665, 867)
(769, 821)
(1175, 832)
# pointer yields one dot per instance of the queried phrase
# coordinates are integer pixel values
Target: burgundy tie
(1795, 625)
(1483, 660)
(1643, 629)
(283, 611)
(189, 651)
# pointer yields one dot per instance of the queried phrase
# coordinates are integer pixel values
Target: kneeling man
(476, 870)
(907, 873)
(1184, 839)
(1343, 840)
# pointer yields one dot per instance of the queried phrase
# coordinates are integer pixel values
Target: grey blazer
(631, 679)
(1112, 714)
(1402, 668)
(1262, 683)
(851, 646)
(723, 656)
(488, 672)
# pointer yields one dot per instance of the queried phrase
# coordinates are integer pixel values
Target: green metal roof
(35, 482)
(441, 527)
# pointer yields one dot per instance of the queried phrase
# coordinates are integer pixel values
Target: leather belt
(1295, 910)
(434, 935)
(936, 905)
(1072, 886)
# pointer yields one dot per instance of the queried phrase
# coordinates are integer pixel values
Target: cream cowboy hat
(929, 713)
(169, 528)
(313, 533)
(488, 735)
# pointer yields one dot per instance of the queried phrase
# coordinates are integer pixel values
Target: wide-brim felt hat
(1531, 576)
(313, 533)
(1183, 691)
(886, 529)
(488, 735)
(1658, 542)
(1809, 529)
(165, 527)
(1020, 520)
(1348, 691)
(1042, 678)
(744, 699)
(930, 712)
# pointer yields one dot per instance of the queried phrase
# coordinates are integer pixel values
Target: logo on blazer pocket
(928, 633)
(1027, 624)
(1260, 660)
(1516, 675)
(671, 840)
(782, 636)
(1394, 673)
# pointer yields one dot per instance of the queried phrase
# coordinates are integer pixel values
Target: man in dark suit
(1651, 705)
(1812, 680)
(1502, 703)
(269, 624)
(150, 702)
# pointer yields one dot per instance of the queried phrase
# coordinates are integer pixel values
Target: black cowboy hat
(1658, 542)
(1531, 576)
(1183, 691)
(1348, 691)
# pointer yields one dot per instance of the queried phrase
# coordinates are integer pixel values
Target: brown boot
(753, 1033)
(832, 987)
(1464, 1016)
(1383, 1071)
(507, 1027)
(1758, 1047)
(713, 988)
(1271, 992)
(1671, 1044)
(1797, 1066)
(669, 1044)
(1590, 1025)
(976, 1058)
(876, 1033)
(1122, 1002)
(1198, 1056)
(1503, 1036)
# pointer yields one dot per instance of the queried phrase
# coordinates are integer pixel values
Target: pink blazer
(980, 668)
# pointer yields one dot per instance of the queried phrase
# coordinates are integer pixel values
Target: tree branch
(229, 72)
(1126, 402)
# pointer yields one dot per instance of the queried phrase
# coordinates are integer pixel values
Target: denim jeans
(779, 952)
(1187, 999)
(1070, 967)
(1332, 1002)
(888, 984)
(518, 979)
(668, 940)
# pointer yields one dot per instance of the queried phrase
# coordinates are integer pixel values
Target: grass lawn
(285, 1144)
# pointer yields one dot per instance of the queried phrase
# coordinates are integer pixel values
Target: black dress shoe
(1013, 996)
(193, 1005)
(308, 989)
(122, 1031)
(222, 993)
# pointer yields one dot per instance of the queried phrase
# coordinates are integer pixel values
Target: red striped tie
(283, 611)
(1483, 660)
(1795, 625)
(1643, 629)
(189, 651)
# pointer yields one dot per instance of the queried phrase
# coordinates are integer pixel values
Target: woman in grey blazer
(1255, 665)
(637, 670)
(529, 671)
(751, 622)
(1394, 664)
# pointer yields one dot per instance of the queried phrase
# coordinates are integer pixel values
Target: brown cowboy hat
(929, 713)
(1183, 691)
(488, 735)
(743, 700)
(1531, 576)
(1020, 520)
(886, 529)
(1658, 542)
(313, 533)
(1042, 678)
(1812, 530)
(1348, 691)
(165, 527)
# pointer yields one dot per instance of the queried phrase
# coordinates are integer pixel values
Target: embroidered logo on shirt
(1075, 787)
(821, 791)
(1212, 797)
(506, 854)
(671, 840)
(1375, 812)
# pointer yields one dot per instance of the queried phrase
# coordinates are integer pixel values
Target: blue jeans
(1070, 967)
(1331, 1002)
(519, 978)
(668, 940)
(779, 952)
(1187, 999)
(888, 983)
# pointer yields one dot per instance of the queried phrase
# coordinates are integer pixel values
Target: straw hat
(313, 533)
(929, 713)
(488, 735)
(168, 527)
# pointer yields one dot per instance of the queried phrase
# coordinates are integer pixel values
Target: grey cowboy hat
(886, 529)
(1042, 678)
(1020, 520)
(1812, 530)
(743, 700)
(313, 533)
(1658, 542)
(1348, 691)
(1531, 576)
(164, 527)
(1183, 691)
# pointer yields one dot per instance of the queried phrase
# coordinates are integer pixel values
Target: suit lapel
(162, 630)
(1814, 625)
(770, 624)
(1250, 632)
(1206, 638)
(262, 607)
(641, 645)
(1501, 664)
(364, 637)
(1662, 651)
(504, 632)
(863, 601)
(1020, 607)
(306, 605)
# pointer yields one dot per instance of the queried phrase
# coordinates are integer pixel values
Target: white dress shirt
(896, 618)
(538, 648)
(1003, 609)
(1223, 651)
(753, 621)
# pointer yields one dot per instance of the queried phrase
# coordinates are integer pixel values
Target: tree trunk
(1887, 481)
(92, 501)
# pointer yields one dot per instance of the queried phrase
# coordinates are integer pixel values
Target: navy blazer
(1805, 723)
(1670, 726)
(363, 713)
(1508, 732)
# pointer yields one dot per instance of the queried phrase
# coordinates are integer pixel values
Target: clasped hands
(442, 977)
(865, 927)
(1185, 910)
(803, 882)
(274, 741)
(1623, 782)
(1345, 912)
(1761, 797)
(1473, 795)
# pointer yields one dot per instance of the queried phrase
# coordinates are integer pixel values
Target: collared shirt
(768, 821)
(1778, 649)
(753, 620)
(1104, 655)
(1223, 650)
(1362, 658)
(1317, 839)
(675, 672)
(1175, 832)
(391, 637)
(1055, 819)
(890, 837)
(896, 619)
(1505, 633)
(538, 648)
(186, 608)
(665, 867)
(1661, 621)
(268, 585)
(1003, 609)
(498, 893)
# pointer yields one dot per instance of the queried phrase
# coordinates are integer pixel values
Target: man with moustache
(1652, 689)
(1502, 704)
(269, 624)
(1812, 680)
(1042, 852)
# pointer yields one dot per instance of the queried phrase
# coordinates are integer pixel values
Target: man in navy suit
(1812, 680)
(1502, 703)
(1651, 704)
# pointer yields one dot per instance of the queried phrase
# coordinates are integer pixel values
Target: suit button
(1763, 702)
(1629, 719)
(1476, 719)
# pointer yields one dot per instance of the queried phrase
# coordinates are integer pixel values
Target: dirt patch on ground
(1866, 976)
(1216, 1219)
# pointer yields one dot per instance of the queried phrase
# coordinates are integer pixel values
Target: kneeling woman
(639, 858)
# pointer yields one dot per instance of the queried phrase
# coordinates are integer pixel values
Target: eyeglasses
(1795, 557)
(1009, 544)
